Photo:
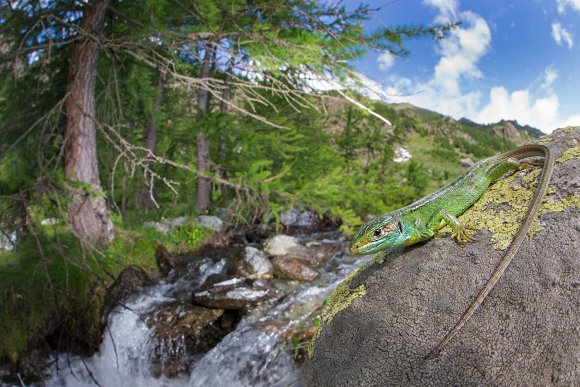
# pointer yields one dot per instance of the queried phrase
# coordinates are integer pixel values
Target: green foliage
(190, 236)
(44, 292)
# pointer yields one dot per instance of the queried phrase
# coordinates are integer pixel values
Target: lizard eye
(377, 232)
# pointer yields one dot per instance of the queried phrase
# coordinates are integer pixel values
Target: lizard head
(377, 235)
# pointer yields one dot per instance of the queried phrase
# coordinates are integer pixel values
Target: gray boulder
(281, 245)
(297, 218)
(290, 268)
(226, 292)
(254, 264)
(212, 222)
(378, 325)
(314, 255)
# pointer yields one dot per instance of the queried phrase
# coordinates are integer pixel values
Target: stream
(252, 354)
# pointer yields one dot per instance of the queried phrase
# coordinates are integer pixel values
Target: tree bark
(203, 160)
(225, 109)
(147, 195)
(87, 210)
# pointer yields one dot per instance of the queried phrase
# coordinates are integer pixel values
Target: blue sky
(508, 60)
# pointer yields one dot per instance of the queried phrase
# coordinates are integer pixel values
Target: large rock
(167, 224)
(299, 219)
(254, 264)
(378, 326)
(179, 318)
(164, 259)
(289, 268)
(227, 292)
(281, 245)
(212, 222)
(182, 331)
(126, 283)
(315, 255)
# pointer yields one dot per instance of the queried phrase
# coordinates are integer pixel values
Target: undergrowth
(51, 287)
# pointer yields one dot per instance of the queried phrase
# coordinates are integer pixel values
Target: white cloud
(560, 34)
(521, 105)
(445, 91)
(386, 60)
(562, 4)
(447, 9)
(518, 105)
(460, 54)
(549, 77)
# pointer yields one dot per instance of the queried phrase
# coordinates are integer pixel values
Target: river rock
(290, 268)
(164, 259)
(297, 218)
(280, 245)
(379, 325)
(182, 331)
(212, 222)
(315, 255)
(254, 264)
(176, 319)
(126, 283)
(228, 292)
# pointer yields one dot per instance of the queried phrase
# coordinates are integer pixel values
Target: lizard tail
(519, 153)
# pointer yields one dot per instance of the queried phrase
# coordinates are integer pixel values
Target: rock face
(254, 264)
(226, 292)
(378, 326)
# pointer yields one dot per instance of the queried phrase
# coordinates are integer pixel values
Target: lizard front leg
(459, 231)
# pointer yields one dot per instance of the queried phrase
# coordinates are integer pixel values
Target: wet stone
(314, 256)
(297, 218)
(183, 332)
(228, 292)
(290, 268)
(164, 259)
(180, 318)
(281, 245)
(254, 264)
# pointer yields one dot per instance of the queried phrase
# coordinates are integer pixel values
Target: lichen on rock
(503, 206)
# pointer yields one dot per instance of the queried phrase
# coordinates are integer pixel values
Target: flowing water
(253, 354)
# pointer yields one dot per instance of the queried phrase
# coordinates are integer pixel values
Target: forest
(115, 113)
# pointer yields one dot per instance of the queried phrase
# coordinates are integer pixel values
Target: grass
(426, 151)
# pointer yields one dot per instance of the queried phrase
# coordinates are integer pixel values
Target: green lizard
(419, 221)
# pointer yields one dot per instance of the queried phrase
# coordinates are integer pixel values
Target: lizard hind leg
(462, 234)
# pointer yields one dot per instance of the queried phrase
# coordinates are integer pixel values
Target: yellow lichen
(545, 140)
(338, 300)
(503, 206)
(558, 205)
(566, 130)
(569, 154)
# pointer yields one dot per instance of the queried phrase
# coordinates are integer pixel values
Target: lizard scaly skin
(420, 220)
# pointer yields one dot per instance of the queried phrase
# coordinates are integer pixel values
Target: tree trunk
(147, 195)
(87, 209)
(224, 109)
(203, 160)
